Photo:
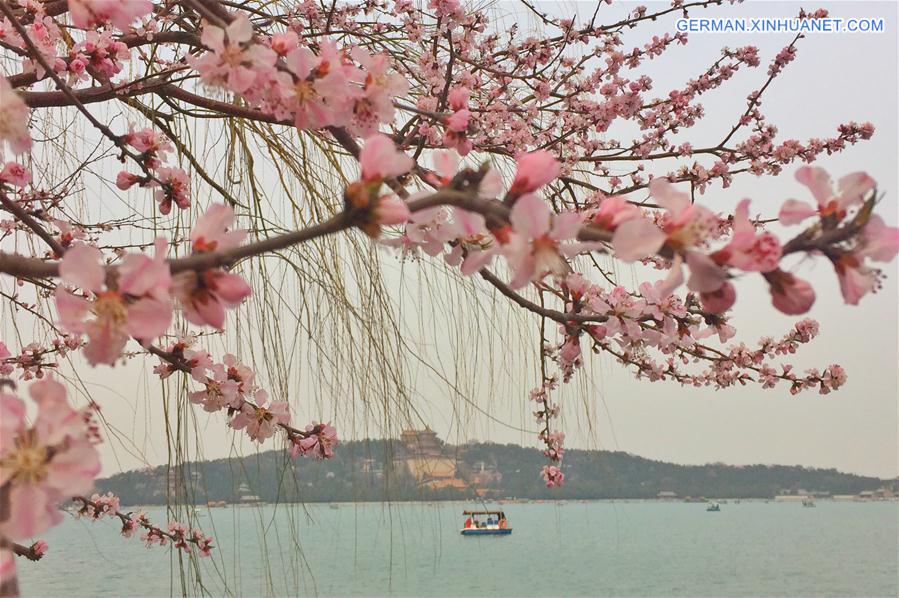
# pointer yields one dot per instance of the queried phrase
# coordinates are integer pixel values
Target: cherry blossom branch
(35, 552)
(96, 507)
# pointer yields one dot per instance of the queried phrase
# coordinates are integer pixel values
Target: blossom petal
(666, 195)
(530, 216)
(81, 267)
(881, 242)
(565, 226)
(705, 275)
(674, 279)
(818, 182)
(794, 211)
(148, 318)
(637, 239)
(853, 188)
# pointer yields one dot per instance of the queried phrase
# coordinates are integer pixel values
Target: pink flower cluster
(869, 238)
(42, 463)
(182, 537)
(230, 385)
(554, 441)
(172, 184)
(89, 13)
(134, 300)
(318, 443)
(135, 304)
(34, 358)
(205, 295)
(552, 475)
(370, 210)
(291, 82)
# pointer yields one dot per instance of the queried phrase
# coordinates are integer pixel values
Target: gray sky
(836, 78)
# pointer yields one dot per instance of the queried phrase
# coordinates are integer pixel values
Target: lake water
(556, 549)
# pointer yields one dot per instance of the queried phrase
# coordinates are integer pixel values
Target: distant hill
(369, 471)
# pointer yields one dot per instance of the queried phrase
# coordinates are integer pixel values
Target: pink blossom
(390, 209)
(219, 392)
(150, 142)
(535, 169)
(686, 225)
(305, 94)
(720, 300)
(458, 97)
(455, 136)
(205, 295)
(39, 548)
(284, 42)
(614, 211)
(789, 294)
(88, 13)
(878, 242)
(852, 190)
(137, 306)
(260, 421)
(380, 159)
(175, 188)
(748, 250)
(375, 104)
(202, 542)
(125, 180)
(15, 174)
(552, 475)
(106, 505)
(319, 442)
(229, 63)
(128, 526)
(534, 250)
(474, 248)
(706, 276)
(14, 115)
(214, 230)
(45, 463)
(5, 368)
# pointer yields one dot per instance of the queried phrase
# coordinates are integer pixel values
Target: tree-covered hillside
(365, 471)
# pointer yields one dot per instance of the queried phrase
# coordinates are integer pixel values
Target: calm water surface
(556, 549)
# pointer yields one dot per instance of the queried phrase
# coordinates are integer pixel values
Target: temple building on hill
(421, 443)
(422, 455)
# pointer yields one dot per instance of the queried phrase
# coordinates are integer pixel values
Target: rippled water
(597, 548)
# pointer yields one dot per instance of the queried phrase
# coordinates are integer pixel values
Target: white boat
(495, 525)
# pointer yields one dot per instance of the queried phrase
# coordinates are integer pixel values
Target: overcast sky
(836, 78)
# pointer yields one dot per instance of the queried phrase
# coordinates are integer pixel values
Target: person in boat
(502, 522)
(468, 523)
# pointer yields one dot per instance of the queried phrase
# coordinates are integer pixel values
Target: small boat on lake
(713, 508)
(808, 502)
(485, 523)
